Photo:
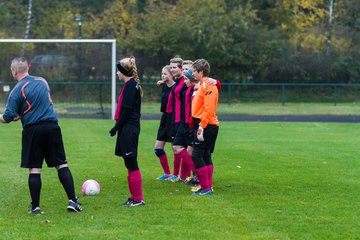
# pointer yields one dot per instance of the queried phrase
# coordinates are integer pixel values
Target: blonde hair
(130, 65)
(187, 62)
(167, 68)
(177, 60)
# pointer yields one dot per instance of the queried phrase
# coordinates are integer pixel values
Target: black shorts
(191, 133)
(42, 141)
(127, 141)
(180, 134)
(164, 132)
(210, 135)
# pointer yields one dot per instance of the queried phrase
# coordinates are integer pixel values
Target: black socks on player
(66, 180)
(35, 188)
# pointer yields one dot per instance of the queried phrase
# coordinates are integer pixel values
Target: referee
(30, 101)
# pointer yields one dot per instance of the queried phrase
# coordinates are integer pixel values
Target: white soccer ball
(90, 188)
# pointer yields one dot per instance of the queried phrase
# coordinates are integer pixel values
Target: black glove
(124, 115)
(113, 131)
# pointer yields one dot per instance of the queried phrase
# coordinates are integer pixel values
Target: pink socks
(135, 185)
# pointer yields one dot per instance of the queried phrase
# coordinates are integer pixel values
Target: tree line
(244, 40)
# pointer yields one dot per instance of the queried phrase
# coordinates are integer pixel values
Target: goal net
(80, 72)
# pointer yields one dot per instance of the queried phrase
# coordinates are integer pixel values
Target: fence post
(334, 95)
(283, 94)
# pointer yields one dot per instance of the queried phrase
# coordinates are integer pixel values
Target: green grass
(271, 181)
(290, 109)
(253, 108)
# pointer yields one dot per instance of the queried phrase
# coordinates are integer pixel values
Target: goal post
(79, 41)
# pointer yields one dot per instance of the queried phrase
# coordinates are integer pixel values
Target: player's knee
(177, 149)
(189, 150)
(159, 152)
(35, 170)
(61, 166)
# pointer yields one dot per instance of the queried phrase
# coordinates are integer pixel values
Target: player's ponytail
(133, 70)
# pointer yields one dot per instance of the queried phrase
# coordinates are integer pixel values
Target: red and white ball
(90, 188)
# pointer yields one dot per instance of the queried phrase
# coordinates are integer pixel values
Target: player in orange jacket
(203, 110)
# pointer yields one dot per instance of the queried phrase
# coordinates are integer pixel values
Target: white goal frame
(113, 57)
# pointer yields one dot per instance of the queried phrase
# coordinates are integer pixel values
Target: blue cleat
(164, 177)
(173, 178)
(203, 192)
(177, 179)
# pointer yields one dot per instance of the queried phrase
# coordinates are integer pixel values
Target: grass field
(271, 181)
(252, 108)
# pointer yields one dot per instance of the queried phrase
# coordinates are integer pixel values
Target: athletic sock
(185, 164)
(165, 163)
(35, 188)
(202, 174)
(210, 169)
(129, 183)
(161, 154)
(67, 181)
(135, 184)
(177, 162)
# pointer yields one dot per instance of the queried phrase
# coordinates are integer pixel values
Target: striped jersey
(176, 103)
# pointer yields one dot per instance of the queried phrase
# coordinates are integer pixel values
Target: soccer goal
(81, 72)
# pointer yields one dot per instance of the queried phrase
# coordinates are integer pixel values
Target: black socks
(35, 188)
(66, 180)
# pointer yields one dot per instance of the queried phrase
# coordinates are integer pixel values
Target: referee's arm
(2, 120)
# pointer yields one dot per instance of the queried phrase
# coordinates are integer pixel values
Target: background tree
(244, 40)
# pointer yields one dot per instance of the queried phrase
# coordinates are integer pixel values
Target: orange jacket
(204, 104)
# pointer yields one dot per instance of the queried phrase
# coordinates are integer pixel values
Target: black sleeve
(129, 97)
(127, 106)
(124, 116)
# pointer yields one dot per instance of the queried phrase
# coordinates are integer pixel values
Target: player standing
(179, 143)
(193, 86)
(127, 127)
(164, 131)
(203, 110)
(30, 101)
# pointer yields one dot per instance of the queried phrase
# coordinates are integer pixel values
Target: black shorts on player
(127, 141)
(41, 141)
(181, 134)
(210, 135)
(164, 132)
(202, 150)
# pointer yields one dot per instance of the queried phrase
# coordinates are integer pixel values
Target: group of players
(188, 104)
